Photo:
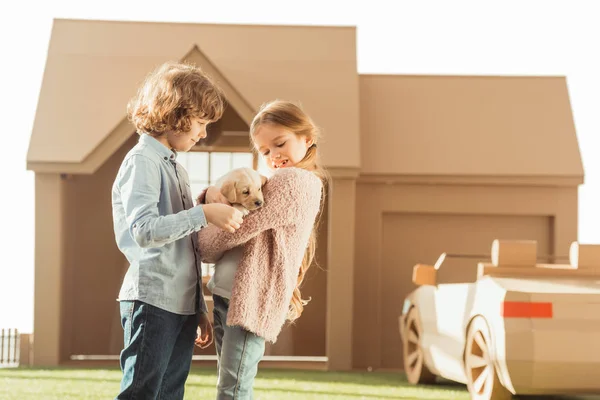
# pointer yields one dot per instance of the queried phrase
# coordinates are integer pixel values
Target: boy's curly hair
(171, 96)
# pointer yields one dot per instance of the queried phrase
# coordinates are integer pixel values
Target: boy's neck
(162, 139)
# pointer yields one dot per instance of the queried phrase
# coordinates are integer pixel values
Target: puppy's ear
(263, 180)
(228, 190)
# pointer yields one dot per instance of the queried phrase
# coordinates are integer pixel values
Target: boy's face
(184, 141)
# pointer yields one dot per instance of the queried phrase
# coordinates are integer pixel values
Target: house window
(205, 168)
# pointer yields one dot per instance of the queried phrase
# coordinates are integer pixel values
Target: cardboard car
(516, 326)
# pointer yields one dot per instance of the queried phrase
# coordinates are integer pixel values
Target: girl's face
(280, 147)
(184, 141)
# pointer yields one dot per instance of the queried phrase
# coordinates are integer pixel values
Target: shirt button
(166, 158)
(184, 196)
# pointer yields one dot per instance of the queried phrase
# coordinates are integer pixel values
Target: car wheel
(414, 362)
(482, 378)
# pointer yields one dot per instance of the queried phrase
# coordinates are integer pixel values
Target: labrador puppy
(242, 187)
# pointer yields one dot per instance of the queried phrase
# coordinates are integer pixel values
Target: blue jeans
(157, 352)
(238, 354)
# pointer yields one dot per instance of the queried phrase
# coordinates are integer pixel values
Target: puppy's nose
(258, 203)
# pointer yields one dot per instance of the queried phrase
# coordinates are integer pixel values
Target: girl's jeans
(238, 354)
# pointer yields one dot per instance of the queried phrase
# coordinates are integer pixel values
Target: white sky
(418, 37)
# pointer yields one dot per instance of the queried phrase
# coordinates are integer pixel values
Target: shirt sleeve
(289, 199)
(139, 184)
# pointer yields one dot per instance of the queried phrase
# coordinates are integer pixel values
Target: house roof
(410, 125)
(467, 125)
(93, 68)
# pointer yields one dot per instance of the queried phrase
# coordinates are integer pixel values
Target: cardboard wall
(94, 266)
(309, 330)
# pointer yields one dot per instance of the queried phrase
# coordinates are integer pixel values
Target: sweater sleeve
(290, 196)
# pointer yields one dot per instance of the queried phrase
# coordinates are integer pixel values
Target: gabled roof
(468, 125)
(94, 67)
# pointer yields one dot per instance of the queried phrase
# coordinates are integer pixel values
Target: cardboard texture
(519, 253)
(517, 328)
(584, 256)
(419, 165)
(467, 125)
(108, 59)
(424, 275)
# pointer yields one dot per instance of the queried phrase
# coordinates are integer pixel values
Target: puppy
(242, 187)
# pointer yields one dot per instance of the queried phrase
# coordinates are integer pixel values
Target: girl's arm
(290, 195)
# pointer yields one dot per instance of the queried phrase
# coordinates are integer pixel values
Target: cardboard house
(419, 165)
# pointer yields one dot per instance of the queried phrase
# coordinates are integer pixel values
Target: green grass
(49, 384)
(64, 384)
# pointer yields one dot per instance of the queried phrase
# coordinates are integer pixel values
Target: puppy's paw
(241, 209)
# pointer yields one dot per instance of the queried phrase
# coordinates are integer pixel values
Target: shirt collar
(157, 146)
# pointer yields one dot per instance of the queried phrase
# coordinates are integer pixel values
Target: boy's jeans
(238, 354)
(157, 354)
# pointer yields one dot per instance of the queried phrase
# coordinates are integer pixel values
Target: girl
(256, 285)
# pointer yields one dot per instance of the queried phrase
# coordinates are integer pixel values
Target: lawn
(64, 384)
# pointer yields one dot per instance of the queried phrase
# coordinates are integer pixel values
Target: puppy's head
(244, 186)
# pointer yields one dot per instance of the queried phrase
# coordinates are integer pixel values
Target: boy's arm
(139, 185)
(289, 197)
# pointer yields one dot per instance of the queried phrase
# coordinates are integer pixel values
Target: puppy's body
(242, 187)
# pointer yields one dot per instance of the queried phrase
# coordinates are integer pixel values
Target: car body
(518, 327)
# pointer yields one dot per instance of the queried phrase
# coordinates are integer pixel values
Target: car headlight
(405, 306)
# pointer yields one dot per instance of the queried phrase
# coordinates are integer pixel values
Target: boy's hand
(223, 216)
(204, 333)
(214, 195)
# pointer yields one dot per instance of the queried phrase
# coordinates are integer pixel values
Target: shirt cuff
(198, 218)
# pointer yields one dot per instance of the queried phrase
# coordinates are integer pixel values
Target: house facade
(419, 165)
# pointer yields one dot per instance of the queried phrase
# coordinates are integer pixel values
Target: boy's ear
(228, 190)
(263, 180)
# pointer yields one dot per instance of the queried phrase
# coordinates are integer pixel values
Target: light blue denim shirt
(155, 225)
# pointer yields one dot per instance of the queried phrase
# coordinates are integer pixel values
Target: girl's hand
(204, 333)
(214, 195)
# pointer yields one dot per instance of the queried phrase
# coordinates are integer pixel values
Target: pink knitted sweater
(275, 237)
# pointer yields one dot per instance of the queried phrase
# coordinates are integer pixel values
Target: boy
(155, 225)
